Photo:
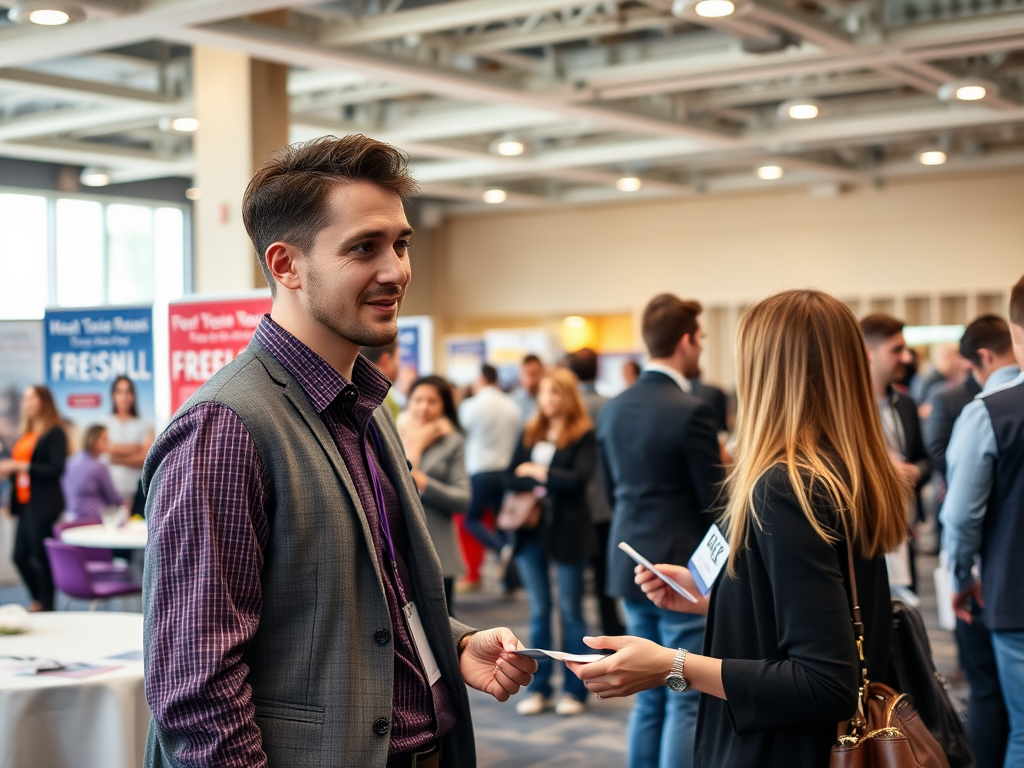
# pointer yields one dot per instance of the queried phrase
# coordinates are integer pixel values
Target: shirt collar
(672, 373)
(1001, 379)
(318, 379)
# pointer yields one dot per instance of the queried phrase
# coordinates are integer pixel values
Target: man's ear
(281, 261)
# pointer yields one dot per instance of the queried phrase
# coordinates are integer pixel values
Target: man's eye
(403, 245)
(364, 248)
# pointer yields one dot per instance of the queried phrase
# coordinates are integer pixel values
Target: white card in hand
(582, 658)
(650, 567)
(708, 559)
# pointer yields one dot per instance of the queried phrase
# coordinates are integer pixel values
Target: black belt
(428, 756)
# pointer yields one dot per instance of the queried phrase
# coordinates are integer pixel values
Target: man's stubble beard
(354, 331)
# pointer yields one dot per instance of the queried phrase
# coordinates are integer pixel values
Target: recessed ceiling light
(800, 109)
(628, 184)
(575, 321)
(966, 90)
(94, 177)
(495, 196)
(509, 148)
(714, 9)
(769, 172)
(45, 14)
(185, 124)
(932, 157)
(193, 193)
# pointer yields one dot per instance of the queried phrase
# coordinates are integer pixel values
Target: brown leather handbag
(520, 510)
(886, 731)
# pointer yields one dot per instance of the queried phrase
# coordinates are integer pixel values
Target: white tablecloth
(131, 536)
(55, 722)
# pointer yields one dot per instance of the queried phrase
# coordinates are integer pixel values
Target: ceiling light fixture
(94, 177)
(800, 109)
(769, 172)
(628, 184)
(495, 196)
(509, 147)
(185, 124)
(45, 14)
(704, 9)
(193, 193)
(932, 157)
(969, 89)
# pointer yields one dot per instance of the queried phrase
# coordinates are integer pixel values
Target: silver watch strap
(679, 662)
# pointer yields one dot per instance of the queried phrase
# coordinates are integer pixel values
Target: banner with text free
(88, 349)
(206, 335)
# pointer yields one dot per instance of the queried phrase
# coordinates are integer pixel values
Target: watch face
(677, 683)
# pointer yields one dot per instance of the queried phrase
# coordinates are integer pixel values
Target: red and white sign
(207, 335)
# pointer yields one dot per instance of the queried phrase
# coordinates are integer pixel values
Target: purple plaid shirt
(213, 536)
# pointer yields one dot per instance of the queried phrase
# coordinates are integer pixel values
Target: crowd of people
(304, 558)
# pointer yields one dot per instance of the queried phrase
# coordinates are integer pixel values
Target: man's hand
(489, 665)
(909, 473)
(663, 596)
(962, 602)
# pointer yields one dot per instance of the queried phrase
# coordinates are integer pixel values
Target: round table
(131, 536)
(98, 721)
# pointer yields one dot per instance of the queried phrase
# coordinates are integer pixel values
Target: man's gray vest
(320, 669)
(1002, 568)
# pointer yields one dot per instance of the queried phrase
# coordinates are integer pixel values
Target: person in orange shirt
(37, 464)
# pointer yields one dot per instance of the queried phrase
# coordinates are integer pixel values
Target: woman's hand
(9, 466)
(663, 596)
(637, 665)
(535, 471)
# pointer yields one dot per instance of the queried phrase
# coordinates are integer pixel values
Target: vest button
(382, 636)
(380, 726)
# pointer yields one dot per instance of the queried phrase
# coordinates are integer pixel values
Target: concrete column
(242, 108)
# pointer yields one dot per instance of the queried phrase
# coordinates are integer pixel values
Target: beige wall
(901, 247)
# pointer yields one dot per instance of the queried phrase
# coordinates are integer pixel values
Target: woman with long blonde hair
(556, 458)
(780, 665)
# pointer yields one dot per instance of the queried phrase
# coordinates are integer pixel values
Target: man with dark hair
(983, 515)
(583, 363)
(294, 605)
(525, 395)
(491, 421)
(661, 463)
(386, 358)
(887, 359)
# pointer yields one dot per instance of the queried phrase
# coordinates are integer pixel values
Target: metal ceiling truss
(595, 89)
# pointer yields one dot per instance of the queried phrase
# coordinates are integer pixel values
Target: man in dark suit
(888, 357)
(660, 456)
(946, 406)
(716, 399)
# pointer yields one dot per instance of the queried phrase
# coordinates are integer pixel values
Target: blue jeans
(534, 569)
(1009, 648)
(488, 489)
(663, 723)
(987, 723)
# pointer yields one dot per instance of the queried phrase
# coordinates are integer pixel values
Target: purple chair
(71, 576)
(99, 562)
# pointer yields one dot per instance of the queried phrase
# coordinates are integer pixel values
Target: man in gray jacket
(294, 608)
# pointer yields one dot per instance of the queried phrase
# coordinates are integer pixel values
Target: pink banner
(207, 335)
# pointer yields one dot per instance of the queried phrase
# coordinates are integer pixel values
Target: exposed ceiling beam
(72, 119)
(75, 89)
(139, 165)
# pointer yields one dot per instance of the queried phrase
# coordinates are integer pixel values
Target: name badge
(419, 639)
(708, 559)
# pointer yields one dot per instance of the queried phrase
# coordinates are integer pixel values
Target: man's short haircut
(987, 332)
(667, 318)
(1017, 303)
(583, 363)
(530, 359)
(374, 354)
(879, 326)
(286, 200)
(489, 373)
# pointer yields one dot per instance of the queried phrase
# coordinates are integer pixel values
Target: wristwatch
(675, 680)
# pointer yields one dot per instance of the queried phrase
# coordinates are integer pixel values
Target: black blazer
(661, 461)
(716, 399)
(906, 408)
(946, 406)
(45, 468)
(783, 629)
(567, 531)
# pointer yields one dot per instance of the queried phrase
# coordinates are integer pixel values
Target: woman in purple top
(88, 489)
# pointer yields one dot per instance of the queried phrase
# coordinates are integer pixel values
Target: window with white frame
(57, 250)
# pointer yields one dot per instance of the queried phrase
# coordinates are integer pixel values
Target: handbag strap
(858, 624)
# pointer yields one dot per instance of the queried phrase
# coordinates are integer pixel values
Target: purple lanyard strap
(382, 513)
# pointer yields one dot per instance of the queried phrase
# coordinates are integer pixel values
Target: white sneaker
(569, 706)
(533, 704)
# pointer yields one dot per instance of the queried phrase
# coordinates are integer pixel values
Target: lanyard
(382, 513)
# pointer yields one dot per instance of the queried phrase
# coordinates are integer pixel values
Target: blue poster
(88, 349)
